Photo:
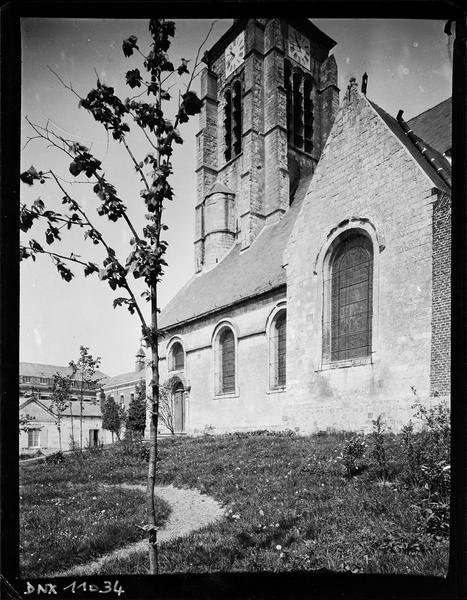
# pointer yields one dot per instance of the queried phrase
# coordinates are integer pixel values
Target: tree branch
(59, 256)
(68, 87)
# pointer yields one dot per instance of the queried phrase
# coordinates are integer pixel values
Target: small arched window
(351, 292)
(177, 357)
(225, 362)
(278, 350)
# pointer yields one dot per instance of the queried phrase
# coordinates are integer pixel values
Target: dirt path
(191, 510)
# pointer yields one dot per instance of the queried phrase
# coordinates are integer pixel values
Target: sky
(409, 66)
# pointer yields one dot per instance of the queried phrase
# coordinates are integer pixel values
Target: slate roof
(40, 370)
(130, 377)
(427, 166)
(434, 126)
(240, 275)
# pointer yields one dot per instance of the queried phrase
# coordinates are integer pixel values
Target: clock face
(234, 54)
(299, 47)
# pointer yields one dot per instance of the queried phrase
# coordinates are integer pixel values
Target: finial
(351, 87)
(364, 82)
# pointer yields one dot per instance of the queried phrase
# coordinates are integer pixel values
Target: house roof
(434, 126)
(32, 404)
(131, 377)
(40, 370)
(240, 275)
(424, 163)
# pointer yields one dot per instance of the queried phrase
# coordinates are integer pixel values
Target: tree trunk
(81, 417)
(153, 424)
(59, 435)
(72, 429)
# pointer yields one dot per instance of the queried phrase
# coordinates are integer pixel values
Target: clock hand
(298, 43)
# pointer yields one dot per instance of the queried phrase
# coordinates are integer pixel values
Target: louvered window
(233, 121)
(351, 299)
(177, 361)
(299, 97)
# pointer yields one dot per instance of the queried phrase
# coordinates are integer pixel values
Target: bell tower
(270, 96)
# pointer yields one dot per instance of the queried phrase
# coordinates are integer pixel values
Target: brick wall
(441, 312)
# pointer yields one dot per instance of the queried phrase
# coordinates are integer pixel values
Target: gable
(36, 409)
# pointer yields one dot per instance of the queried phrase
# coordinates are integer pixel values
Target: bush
(27, 455)
(133, 447)
(55, 458)
(352, 453)
(427, 452)
(94, 448)
(427, 464)
(380, 450)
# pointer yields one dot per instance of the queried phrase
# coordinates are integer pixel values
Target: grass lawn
(68, 518)
(288, 507)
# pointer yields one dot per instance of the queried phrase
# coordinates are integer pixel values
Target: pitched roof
(425, 164)
(131, 377)
(434, 126)
(240, 275)
(40, 370)
(89, 408)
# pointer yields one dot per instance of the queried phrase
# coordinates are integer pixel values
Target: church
(320, 295)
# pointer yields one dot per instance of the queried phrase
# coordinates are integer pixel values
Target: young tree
(86, 367)
(113, 416)
(61, 399)
(136, 419)
(166, 409)
(146, 259)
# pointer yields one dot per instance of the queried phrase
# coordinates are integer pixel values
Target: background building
(35, 400)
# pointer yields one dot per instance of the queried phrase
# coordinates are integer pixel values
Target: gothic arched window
(277, 350)
(350, 297)
(177, 357)
(225, 362)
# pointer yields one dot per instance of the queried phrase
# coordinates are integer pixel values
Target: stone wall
(259, 174)
(366, 180)
(253, 405)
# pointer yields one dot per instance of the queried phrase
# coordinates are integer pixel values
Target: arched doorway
(178, 404)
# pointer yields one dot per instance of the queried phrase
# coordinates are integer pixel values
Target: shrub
(427, 452)
(55, 458)
(133, 447)
(352, 453)
(380, 450)
(94, 448)
(427, 464)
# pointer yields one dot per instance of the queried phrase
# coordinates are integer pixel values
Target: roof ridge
(417, 141)
(424, 163)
